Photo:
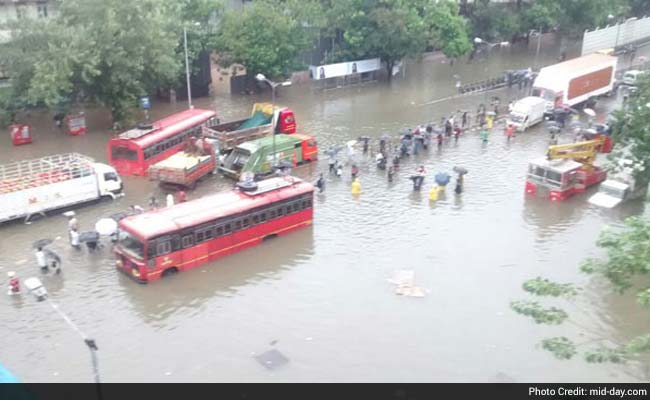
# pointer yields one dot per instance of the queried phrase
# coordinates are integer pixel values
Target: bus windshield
(131, 245)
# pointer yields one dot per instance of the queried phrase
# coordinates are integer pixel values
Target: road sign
(145, 103)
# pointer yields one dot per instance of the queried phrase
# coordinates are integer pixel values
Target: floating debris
(405, 281)
(272, 359)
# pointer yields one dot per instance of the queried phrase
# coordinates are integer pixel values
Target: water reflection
(188, 291)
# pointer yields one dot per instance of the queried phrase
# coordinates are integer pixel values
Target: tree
(449, 31)
(394, 29)
(631, 130)
(105, 51)
(626, 266)
(263, 37)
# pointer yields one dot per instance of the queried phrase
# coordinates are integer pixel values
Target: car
(631, 77)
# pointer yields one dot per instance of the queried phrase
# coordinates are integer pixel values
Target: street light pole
(274, 122)
(187, 71)
(539, 43)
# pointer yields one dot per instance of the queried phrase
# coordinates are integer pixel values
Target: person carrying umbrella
(54, 261)
(74, 238)
(40, 260)
(320, 183)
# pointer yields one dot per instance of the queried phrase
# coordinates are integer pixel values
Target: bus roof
(173, 124)
(184, 215)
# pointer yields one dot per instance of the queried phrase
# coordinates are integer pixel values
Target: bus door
(125, 158)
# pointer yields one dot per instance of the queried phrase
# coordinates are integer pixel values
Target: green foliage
(561, 347)
(628, 255)
(263, 37)
(107, 51)
(542, 14)
(541, 315)
(449, 31)
(606, 355)
(394, 29)
(626, 263)
(631, 127)
(545, 287)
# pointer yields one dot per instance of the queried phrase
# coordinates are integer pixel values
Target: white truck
(32, 187)
(527, 112)
(576, 81)
(614, 191)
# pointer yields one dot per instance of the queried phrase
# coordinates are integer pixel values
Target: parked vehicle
(631, 77)
(168, 240)
(567, 169)
(134, 151)
(527, 112)
(36, 186)
(263, 121)
(619, 188)
(576, 81)
(257, 156)
(187, 167)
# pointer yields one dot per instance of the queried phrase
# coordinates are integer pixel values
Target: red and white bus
(133, 151)
(164, 241)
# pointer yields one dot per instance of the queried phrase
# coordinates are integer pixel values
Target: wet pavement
(321, 296)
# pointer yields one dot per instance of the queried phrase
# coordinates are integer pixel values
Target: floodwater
(321, 295)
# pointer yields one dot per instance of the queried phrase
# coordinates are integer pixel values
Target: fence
(633, 30)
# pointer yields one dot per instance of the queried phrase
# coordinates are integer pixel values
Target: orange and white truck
(574, 82)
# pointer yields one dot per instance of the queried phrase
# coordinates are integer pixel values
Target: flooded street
(323, 293)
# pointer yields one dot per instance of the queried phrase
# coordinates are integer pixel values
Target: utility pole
(539, 43)
(187, 71)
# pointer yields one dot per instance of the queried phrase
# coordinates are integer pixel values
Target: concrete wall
(631, 31)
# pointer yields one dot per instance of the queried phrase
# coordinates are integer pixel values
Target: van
(631, 77)
(527, 112)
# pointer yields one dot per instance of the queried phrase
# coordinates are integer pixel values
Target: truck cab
(109, 182)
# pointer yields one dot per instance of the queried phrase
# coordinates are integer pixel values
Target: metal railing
(42, 171)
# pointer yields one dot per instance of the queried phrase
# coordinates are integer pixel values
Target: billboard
(342, 69)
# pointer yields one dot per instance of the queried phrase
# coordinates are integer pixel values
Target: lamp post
(262, 78)
(187, 68)
(35, 287)
(478, 41)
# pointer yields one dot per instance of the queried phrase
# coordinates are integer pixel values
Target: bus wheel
(269, 237)
(170, 271)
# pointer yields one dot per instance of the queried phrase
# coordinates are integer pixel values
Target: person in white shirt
(73, 223)
(74, 238)
(40, 259)
(170, 200)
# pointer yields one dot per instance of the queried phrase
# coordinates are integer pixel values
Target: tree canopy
(626, 266)
(106, 51)
(264, 37)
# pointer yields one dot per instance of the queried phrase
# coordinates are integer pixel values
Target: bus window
(287, 210)
(305, 204)
(187, 241)
(263, 216)
(227, 229)
(163, 248)
(272, 214)
(296, 206)
(200, 236)
(209, 234)
(123, 153)
(219, 231)
(246, 222)
(237, 225)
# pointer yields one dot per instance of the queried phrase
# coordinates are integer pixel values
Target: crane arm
(584, 152)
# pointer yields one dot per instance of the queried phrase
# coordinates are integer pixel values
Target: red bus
(164, 241)
(133, 151)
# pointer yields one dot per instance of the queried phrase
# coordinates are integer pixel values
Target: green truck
(256, 156)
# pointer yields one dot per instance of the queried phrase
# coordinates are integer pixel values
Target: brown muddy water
(321, 296)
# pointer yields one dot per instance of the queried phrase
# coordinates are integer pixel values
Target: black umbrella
(89, 236)
(41, 243)
(460, 170)
(52, 255)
